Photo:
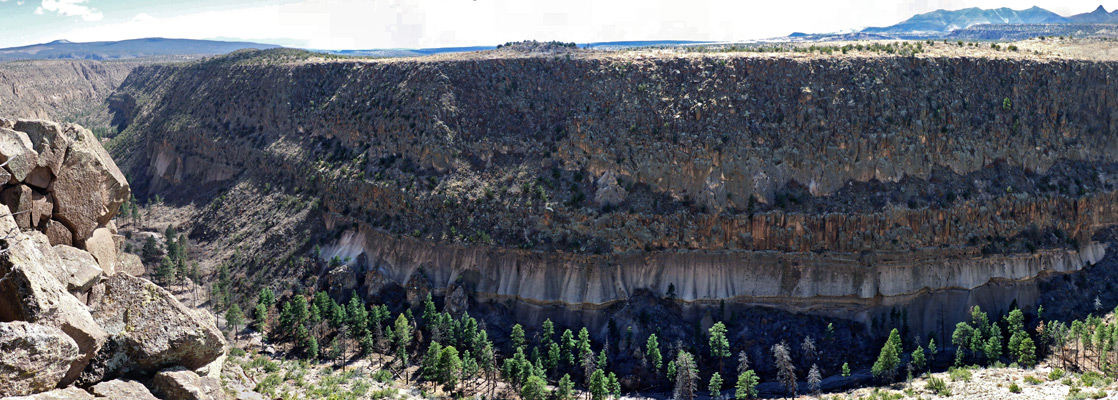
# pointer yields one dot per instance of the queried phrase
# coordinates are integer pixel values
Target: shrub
(1032, 380)
(1055, 374)
(1014, 388)
(938, 386)
(959, 374)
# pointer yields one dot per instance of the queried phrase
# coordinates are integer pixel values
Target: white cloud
(70, 8)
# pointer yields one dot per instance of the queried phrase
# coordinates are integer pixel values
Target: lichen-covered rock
(119, 389)
(179, 383)
(81, 269)
(28, 292)
(17, 152)
(130, 264)
(149, 329)
(33, 358)
(89, 187)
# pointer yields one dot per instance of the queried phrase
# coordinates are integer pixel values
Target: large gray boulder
(179, 383)
(150, 330)
(122, 389)
(89, 188)
(29, 292)
(49, 140)
(81, 269)
(33, 358)
(16, 150)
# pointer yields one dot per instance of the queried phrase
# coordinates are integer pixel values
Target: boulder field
(71, 325)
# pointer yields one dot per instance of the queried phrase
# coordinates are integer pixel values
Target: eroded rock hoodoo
(67, 317)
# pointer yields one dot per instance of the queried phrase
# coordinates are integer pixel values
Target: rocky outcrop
(149, 330)
(58, 250)
(186, 385)
(29, 292)
(33, 358)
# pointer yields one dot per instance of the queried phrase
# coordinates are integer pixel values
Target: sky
(379, 24)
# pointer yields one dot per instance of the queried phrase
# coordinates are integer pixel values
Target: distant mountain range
(944, 21)
(123, 49)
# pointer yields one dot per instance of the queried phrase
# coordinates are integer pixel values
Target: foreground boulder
(70, 393)
(122, 389)
(89, 188)
(29, 292)
(81, 269)
(33, 358)
(182, 384)
(149, 330)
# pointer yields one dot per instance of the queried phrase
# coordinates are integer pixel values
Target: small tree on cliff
(889, 358)
(719, 345)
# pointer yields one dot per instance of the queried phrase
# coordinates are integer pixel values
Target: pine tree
(312, 348)
(234, 318)
(517, 336)
(566, 388)
(567, 342)
(260, 315)
(814, 379)
(614, 385)
(786, 371)
(547, 333)
(918, 359)
(993, 347)
(165, 273)
(808, 348)
(715, 386)
(428, 366)
(1027, 353)
(743, 362)
(598, 385)
(747, 385)
(535, 388)
(652, 351)
(687, 376)
(603, 360)
(889, 359)
(449, 367)
(553, 356)
(719, 345)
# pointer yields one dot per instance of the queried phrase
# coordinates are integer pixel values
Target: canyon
(845, 186)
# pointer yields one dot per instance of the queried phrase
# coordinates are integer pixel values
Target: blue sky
(367, 24)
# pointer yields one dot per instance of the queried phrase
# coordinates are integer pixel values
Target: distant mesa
(124, 49)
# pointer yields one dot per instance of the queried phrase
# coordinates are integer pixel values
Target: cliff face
(579, 178)
(60, 89)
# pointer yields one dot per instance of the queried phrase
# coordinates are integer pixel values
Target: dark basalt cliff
(578, 179)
